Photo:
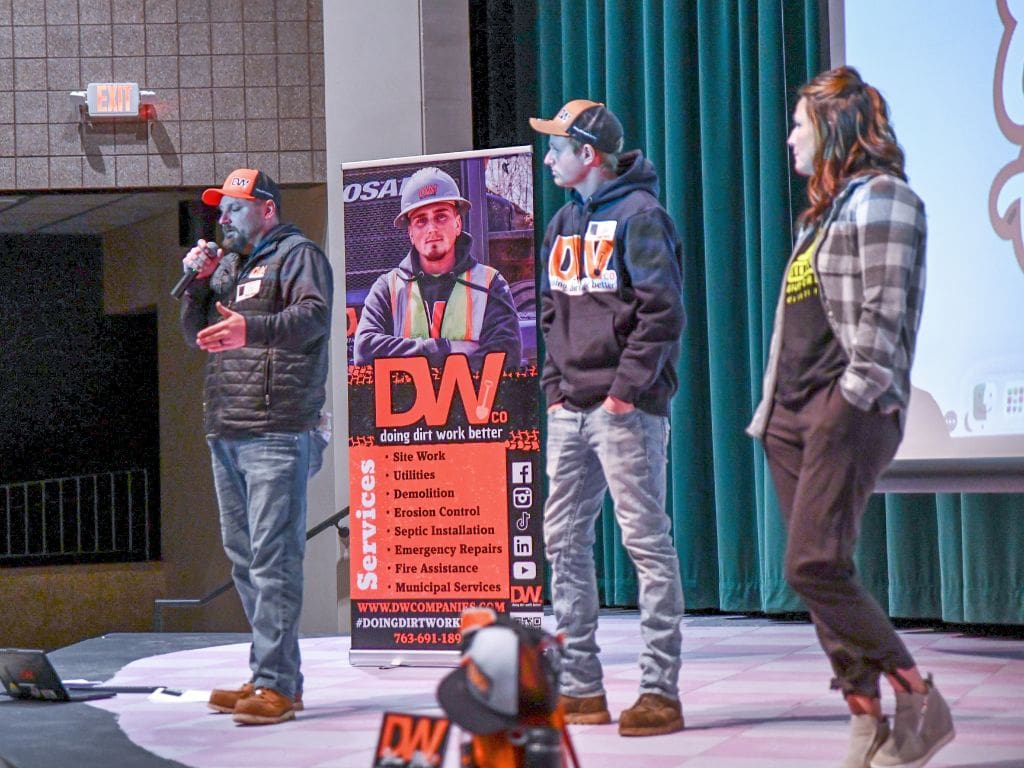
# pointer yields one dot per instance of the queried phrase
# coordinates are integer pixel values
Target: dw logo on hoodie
(576, 267)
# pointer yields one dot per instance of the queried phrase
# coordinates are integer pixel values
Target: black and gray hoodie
(611, 295)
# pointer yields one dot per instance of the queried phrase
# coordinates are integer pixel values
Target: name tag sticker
(248, 290)
(601, 230)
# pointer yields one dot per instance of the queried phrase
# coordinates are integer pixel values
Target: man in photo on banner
(260, 305)
(612, 315)
(439, 300)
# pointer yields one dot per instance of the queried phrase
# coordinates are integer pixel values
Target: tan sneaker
(652, 715)
(923, 725)
(586, 710)
(223, 700)
(265, 707)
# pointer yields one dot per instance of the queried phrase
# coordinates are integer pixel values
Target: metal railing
(338, 520)
(100, 517)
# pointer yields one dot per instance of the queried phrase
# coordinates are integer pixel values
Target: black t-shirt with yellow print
(811, 356)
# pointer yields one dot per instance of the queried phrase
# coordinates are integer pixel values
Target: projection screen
(953, 74)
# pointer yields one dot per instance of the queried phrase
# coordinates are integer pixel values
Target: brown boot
(652, 715)
(223, 700)
(586, 710)
(265, 707)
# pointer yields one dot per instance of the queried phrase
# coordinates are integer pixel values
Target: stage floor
(755, 693)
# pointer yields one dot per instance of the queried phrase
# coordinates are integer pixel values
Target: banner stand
(444, 450)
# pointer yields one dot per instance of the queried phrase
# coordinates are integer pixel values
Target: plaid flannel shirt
(870, 267)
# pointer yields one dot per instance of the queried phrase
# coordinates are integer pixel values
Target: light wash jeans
(261, 491)
(588, 453)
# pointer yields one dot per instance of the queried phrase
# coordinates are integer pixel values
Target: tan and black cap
(589, 122)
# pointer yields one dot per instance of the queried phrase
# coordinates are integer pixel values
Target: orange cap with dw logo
(245, 184)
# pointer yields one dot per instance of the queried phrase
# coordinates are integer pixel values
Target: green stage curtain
(706, 89)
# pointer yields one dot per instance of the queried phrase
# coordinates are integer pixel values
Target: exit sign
(113, 99)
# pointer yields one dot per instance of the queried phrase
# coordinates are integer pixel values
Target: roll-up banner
(443, 389)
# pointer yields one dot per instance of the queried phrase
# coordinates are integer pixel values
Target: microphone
(191, 272)
(182, 285)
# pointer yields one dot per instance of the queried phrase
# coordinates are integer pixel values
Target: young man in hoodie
(612, 315)
(439, 300)
(260, 305)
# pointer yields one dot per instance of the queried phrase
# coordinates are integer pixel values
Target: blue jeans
(588, 453)
(261, 491)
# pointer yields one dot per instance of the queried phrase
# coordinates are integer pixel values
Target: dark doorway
(78, 409)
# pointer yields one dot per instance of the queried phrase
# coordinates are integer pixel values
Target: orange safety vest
(460, 318)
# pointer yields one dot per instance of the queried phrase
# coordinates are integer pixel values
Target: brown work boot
(223, 700)
(586, 710)
(265, 707)
(652, 715)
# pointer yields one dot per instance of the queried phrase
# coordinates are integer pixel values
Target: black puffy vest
(255, 390)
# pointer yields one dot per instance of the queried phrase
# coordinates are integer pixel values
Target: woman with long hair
(836, 391)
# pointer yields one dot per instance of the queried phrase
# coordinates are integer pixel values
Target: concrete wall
(236, 84)
(55, 606)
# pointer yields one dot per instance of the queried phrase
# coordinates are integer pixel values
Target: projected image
(1008, 188)
(993, 401)
(962, 128)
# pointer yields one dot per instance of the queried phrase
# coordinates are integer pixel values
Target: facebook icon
(522, 472)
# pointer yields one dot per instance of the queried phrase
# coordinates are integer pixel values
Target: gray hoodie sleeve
(654, 260)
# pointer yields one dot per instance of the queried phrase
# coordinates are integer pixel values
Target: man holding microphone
(260, 305)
